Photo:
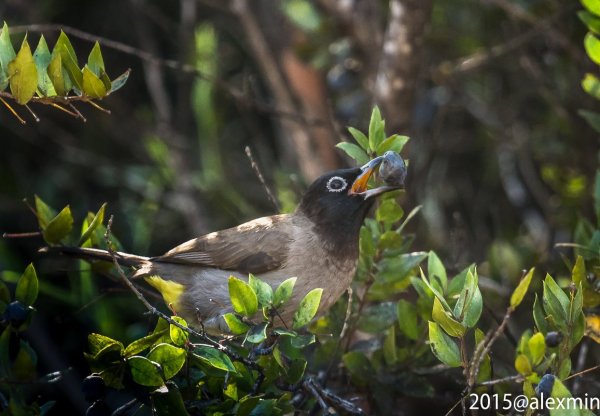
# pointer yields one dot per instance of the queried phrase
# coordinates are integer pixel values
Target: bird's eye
(336, 184)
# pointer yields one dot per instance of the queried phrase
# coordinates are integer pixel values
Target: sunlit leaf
(361, 139)
(435, 268)
(69, 60)
(243, 298)
(56, 74)
(395, 143)
(98, 219)
(95, 61)
(443, 318)
(442, 346)
(592, 5)
(376, 129)
(257, 333)
(92, 85)
(27, 286)
(178, 336)
(215, 358)
(145, 372)
(264, 291)
(354, 151)
(144, 343)
(537, 348)
(42, 58)
(307, 308)
(521, 289)
(59, 227)
(284, 291)
(522, 365)
(236, 326)
(170, 358)
(22, 74)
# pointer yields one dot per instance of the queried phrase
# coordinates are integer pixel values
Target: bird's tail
(124, 259)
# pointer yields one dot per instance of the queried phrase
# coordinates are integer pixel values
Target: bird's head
(338, 201)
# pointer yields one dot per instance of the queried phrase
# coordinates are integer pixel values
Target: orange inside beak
(361, 183)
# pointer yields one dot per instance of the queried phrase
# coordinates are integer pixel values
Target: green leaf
(27, 286)
(376, 129)
(98, 219)
(170, 358)
(559, 391)
(43, 212)
(359, 366)
(145, 372)
(95, 61)
(264, 291)
(243, 298)
(539, 317)
(354, 151)
(178, 336)
(257, 333)
(537, 348)
(389, 211)
(591, 21)
(167, 400)
(120, 81)
(390, 353)
(360, 138)
(443, 318)
(144, 343)
(92, 85)
(236, 326)
(7, 52)
(553, 307)
(22, 74)
(377, 317)
(214, 358)
(592, 47)
(395, 143)
(592, 118)
(56, 73)
(442, 346)
(522, 365)
(400, 267)
(42, 58)
(99, 343)
(435, 268)
(69, 60)
(284, 291)
(59, 227)
(521, 289)
(592, 5)
(558, 293)
(407, 319)
(307, 308)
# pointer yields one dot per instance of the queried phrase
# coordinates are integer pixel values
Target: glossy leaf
(27, 286)
(442, 346)
(592, 47)
(7, 52)
(243, 298)
(236, 326)
(120, 81)
(395, 143)
(592, 5)
(142, 344)
(98, 219)
(519, 293)
(56, 74)
(95, 61)
(354, 151)
(284, 291)
(307, 308)
(22, 74)
(59, 227)
(98, 343)
(69, 60)
(264, 291)
(178, 336)
(435, 267)
(257, 333)
(42, 58)
(145, 372)
(170, 358)
(215, 358)
(443, 318)
(92, 85)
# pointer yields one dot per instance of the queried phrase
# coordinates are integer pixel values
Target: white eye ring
(337, 179)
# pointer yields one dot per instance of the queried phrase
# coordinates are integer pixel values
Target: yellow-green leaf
(56, 74)
(522, 365)
(521, 289)
(307, 308)
(442, 346)
(23, 75)
(27, 286)
(69, 59)
(59, 227)
(243, 298)
(443, 318)
(42, 58)
(95, 61)
(592, 47)
(537, 348)
(92, 85)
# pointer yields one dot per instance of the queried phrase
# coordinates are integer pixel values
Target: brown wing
(257, 246)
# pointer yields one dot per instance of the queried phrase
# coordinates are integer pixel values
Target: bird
(318, 244)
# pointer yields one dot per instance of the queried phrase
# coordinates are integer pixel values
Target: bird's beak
(360, 184)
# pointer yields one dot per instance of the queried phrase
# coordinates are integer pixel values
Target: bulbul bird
(318, 244)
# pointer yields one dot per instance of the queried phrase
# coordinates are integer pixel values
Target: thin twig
(587, 370)
(12, 110)
(335, 400)
(516, 378)
(22, 235)
(262, 179)
(309, 385)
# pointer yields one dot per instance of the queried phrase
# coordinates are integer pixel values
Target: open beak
(360, 184)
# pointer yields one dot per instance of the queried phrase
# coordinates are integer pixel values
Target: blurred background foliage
(500, 160)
